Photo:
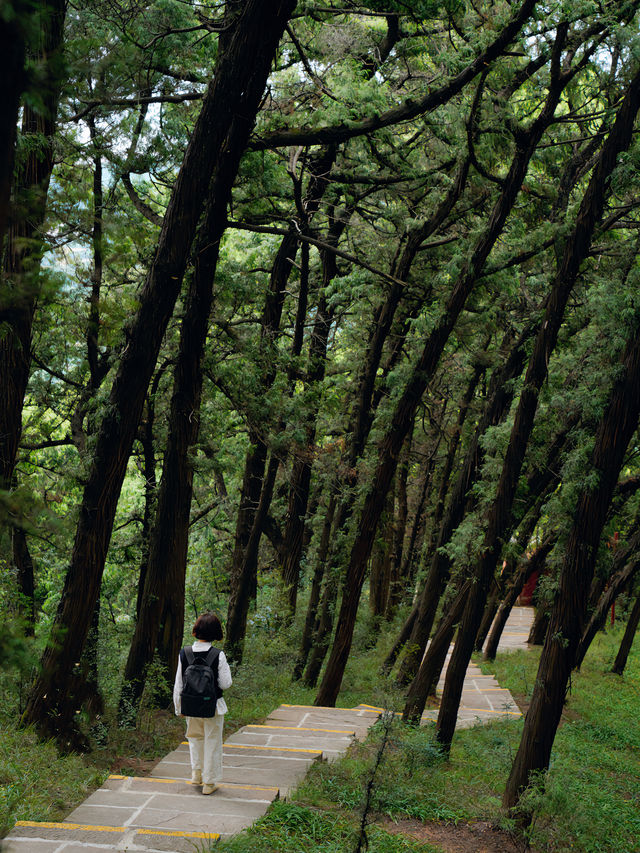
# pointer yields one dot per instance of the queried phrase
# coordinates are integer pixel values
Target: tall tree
(252, 33)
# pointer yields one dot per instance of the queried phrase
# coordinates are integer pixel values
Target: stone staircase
(165, 812)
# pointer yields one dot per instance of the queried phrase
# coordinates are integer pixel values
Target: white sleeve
(177, 688)
(224, 673)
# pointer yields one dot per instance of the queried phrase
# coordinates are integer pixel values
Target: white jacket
(224, 678)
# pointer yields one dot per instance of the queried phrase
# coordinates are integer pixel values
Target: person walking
(198, 697)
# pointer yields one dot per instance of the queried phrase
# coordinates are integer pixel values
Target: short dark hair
(207, 627)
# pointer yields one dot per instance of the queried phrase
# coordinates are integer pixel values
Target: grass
(590, 803)
(36, 783)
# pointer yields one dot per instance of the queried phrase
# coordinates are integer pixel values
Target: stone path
(165, 813)
(482, 697)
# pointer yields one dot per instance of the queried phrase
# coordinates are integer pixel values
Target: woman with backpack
(202, 674)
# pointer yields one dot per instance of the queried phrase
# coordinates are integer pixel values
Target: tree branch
(406, 111)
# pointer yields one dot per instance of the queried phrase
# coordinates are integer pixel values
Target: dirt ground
(480, 837)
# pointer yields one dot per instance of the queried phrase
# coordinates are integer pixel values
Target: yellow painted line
(51, 825)
(373, 707)
(271, 748)
(175, 834)
(300, 729)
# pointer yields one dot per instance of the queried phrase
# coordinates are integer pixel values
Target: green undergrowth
(590, 803)
(36, 783)
(294, 827)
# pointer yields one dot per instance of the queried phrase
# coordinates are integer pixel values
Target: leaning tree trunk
(497, 405)
(233, 98)
(253, 492)
(616, 428)
(19, 279)
(14, 79)
(26, 581)
(530, 565)
(620, 578)
(499, 514)
(404, 413)
(314, 595)
(160, 621)
(432, 664)
(303, 463)
(627, 641)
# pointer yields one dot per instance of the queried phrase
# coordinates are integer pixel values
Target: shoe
(209, 789)
(196, 777)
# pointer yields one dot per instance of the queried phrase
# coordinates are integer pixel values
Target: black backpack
(200, 690)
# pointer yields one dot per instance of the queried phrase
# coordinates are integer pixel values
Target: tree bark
(528, 567)
(432, 663)
(160, 623)
(391, 443)
(499, 514)
(615, 430)
(620, 578)
(396, 579)
(252, 485)
(26, 582)
(627, 640)
(19, 280)
(316, 586)
(209, 166)
(303, 463)
(12, 73)
(499, 398)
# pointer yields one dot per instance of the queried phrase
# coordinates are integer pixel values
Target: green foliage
(36, 783)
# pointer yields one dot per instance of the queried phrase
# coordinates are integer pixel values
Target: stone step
(65, 837)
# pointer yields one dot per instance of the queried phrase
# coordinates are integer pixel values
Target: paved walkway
(165, 813)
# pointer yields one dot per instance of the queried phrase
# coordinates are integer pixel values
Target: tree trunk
(499, 514)
(490, 610)
(497, 405)
(391, 443)
(539, 628)
(26, 583)
(627, 641)
(615, 430)
(210, 165)
(246, 580)
(402, 638)
(529, 566)
(19, 280)
(620, 578)
(301, 474)
(316, 585)
(160, 621)
(380, 574)
(252, 484)
(12, 74)
(432, 663)
(396, 579)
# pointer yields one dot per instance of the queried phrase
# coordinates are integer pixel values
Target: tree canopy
(336, 299)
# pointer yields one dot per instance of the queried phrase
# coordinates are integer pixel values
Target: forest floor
(478, 837)
(419, 802)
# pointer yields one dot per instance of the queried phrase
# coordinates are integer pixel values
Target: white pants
(205, 747)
